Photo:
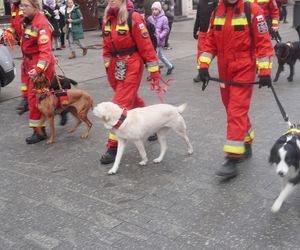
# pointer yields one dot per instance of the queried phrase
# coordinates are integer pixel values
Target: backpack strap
(129, 20)
(247, 12)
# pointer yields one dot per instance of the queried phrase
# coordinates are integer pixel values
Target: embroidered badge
(260, 18)
(44, 39)
(42, 32)
(262, 27)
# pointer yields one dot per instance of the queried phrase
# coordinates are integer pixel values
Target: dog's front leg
(140, 146)
(120, 151)
(280, 68)
(289, 187)
(52, 130)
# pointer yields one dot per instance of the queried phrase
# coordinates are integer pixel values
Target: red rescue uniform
(271, 11)
(36, 45)
(125, 52)
(237, 49)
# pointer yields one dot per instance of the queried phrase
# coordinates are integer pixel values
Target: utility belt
(123, 52)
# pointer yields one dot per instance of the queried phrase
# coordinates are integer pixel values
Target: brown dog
(78, 102)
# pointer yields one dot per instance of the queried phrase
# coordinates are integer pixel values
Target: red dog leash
(158, 89)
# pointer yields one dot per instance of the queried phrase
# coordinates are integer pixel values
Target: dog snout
(281, 174)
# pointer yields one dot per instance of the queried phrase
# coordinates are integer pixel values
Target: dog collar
(121, 119)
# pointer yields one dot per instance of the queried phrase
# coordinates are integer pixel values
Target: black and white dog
(285, 154)
(287, 53)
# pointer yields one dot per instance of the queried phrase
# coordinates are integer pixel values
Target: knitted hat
(49, 2)
(156, 5)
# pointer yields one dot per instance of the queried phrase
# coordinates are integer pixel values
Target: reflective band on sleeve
(249, 136)
(23, 88)
(264, 63)
(275, 21)
(122, 27)
(239, 21)
(42, 65)
(30, 32)
(107, 28)
(263, 1)
(13, 14)
(106, 62)
(219, 20)
(205, 58)
(36, 123)
(152, 66)
(112, 136)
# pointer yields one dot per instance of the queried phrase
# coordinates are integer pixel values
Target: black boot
(247, 154)
(64, 117)
(22, 107)
(109, 156)
(228, 168)
(35, 138)
(197, 78)
(152, 137)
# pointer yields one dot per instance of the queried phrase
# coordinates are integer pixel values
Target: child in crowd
(160, 21)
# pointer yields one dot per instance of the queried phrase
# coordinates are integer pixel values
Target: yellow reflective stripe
(239, 21)
(41, 65)
(219, 21)
(234, 149)
(153, 68)
(249, 136)
(251, 1)
(275, 21)
(23, 88)
(30, 32)
(204, 59)
(21, 13)
(36, 123)
(263, 1)
(122, 27)
(107, 28)
(112, 136)
(13, 14)
(264, 65)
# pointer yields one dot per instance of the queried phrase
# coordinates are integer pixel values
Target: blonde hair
(122, 14)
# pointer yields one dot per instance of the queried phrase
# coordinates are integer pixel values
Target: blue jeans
(163, 58)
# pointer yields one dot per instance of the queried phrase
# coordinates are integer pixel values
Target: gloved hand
(195, 36)
(155, 76)
(8, 38)
(265, 81)
(204, 76)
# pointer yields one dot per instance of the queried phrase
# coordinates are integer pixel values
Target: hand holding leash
(155, 80)
(265, 81)
(204, 76)
(8, 38)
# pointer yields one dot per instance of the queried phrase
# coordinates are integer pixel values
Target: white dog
(137, 124)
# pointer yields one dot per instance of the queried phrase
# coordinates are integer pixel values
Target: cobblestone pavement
(60, 197)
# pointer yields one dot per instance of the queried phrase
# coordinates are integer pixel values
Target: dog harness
(61, 96)
(121, 119)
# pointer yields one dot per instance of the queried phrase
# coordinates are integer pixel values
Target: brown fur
(80, 102)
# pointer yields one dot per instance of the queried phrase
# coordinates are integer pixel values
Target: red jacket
(236, 47)
(16, 21)
(118, 37)
(36, 43)
(270, 9)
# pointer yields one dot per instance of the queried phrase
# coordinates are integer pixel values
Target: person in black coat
(204, 12)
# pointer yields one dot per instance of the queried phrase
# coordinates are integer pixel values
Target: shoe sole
(226, 176)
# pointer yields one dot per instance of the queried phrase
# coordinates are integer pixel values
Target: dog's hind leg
(289, 187)
(120, 151)
(140, 146)
(180, 129)
(52, 129)
(161, 136)
(89, 125)
(74, 113)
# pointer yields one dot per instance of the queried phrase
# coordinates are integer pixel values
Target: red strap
(121, 119)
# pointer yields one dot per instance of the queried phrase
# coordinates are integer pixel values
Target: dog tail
(181, 108)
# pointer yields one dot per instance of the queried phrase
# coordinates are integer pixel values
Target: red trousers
(126, 91)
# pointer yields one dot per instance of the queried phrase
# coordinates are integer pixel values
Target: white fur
(141, 123)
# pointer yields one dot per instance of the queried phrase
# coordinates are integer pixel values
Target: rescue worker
(13, 34)
(125, 50)
(237, 45)
(204, 10)
(271, 13)
(36, 45)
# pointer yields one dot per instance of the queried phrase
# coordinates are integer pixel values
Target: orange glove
(154, 78)
(8, 38)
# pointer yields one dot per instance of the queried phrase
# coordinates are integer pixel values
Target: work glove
(154, 81)
(195, 36)
(8, 38)
(204, 76)
(265, 81)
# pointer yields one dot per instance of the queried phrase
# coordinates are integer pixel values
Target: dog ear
(274, 157)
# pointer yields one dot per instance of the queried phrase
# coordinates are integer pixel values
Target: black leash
(282, 111)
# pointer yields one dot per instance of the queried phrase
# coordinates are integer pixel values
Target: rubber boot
(64, 117)
(109, 156)
(197, 78)
(72, 55)
(23, 106)
(228, 168)
(38, 135)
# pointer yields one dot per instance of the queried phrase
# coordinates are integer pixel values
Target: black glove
(204, 76)
(195, 36)
(265, 81)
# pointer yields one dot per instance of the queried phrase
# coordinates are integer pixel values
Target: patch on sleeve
(144, 33)
(44, 39)
(260, 18)
(42, 32)
(262, 27)
(142, 26)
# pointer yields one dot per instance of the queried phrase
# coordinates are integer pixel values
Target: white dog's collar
(121, 119)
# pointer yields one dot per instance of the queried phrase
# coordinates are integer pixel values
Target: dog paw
(157, 160)
(276, 207)
(290, 79)
(190, 151)
(112, 171)
(143, 163)
(84, 136)
(49, 142)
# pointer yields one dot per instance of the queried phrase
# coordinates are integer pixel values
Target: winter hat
(156, 5)
(49, 2)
